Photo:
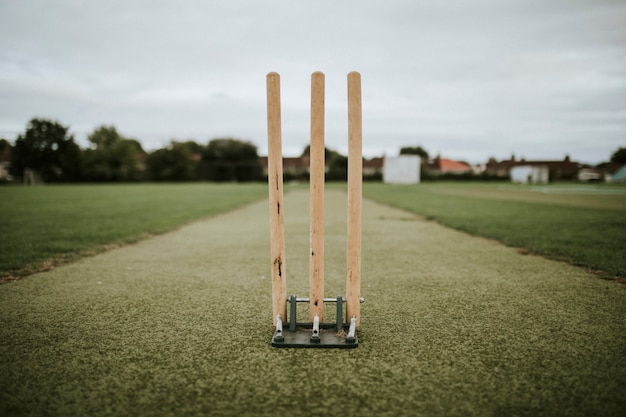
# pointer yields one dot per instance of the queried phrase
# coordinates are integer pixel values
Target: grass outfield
(180, 325)
(45, 226)
(581, 224)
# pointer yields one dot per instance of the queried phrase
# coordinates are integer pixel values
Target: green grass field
(180, 325)
(581, 224)
(45, 226)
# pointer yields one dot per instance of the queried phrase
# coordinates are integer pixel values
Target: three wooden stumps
(316, 332)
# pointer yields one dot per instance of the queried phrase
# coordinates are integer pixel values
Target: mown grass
(45, 226)
(570, 223)
(180, 325)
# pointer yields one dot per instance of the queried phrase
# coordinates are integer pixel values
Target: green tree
(337, 167)
(176, 162)
(228, 159)
(619, 156)
(113, 157)
(48, 149)
(415, 150)
(337, 164)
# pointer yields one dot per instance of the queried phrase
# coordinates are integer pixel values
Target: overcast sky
(466, 79)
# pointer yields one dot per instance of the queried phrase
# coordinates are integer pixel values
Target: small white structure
(530, 174)
(589, 175)
(403, 169)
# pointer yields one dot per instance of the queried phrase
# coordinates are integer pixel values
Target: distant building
(373, 167)
(4, 172)
(557, 170)
(441, 166)
(298, 167)
(589, 175)
(5, 163)
(292, 166)
(530, 174)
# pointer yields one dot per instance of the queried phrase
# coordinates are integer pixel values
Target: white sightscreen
(403, 169)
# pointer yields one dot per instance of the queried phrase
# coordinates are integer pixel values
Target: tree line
(48, 152)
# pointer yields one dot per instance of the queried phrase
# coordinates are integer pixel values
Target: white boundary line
(573, 190)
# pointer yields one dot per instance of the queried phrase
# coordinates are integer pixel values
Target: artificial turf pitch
(180, 324)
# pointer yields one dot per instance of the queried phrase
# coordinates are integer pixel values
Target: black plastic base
(328, 338)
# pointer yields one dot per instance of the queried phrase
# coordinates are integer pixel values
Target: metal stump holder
(316, 333)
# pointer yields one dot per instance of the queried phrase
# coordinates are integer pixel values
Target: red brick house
(373, 167)
(441, 166)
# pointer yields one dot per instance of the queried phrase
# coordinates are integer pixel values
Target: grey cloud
(467, 79)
